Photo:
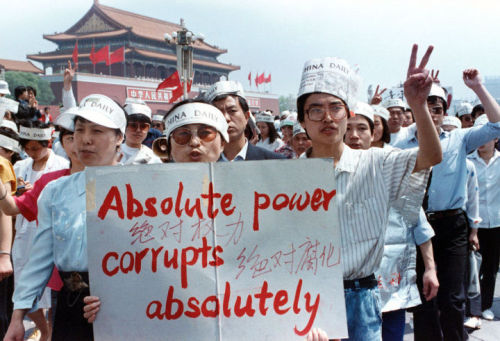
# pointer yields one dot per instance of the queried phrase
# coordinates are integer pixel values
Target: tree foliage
(288, 103)
(45, 96)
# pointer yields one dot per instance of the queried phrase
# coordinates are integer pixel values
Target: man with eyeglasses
(367, 181)
(446, 197)
(138, 124)
(228, 97)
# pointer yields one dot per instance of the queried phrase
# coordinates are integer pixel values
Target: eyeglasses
(183, 135)
(337, 112)
(157, 125)
(140, 125)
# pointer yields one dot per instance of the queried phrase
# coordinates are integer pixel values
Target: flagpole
(93, 44)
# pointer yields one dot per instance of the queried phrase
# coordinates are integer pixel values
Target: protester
(9, 144)
(269, 138)
(4, 88)
(367, 181)
(464, 113)
(99, 125)
(8, 184)
(408, 119)
(199, 135)
(446, 198)
(229, 97)
(34, 139)
(396, 108)
(28, 106)
(381, 133)
(300, 141)
(287, 129)
(138, 124)
(487, 162)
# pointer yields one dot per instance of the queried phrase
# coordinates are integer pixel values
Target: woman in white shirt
(269, 137)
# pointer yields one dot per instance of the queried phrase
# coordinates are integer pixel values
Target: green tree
(45, 96)
(288, 103)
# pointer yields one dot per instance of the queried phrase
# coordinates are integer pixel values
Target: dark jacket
(259, 153)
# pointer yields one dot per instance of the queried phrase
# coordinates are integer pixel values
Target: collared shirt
(241, 156)
(449, 178)
(488, 176)
(278, 143)
(368, 182)
(61, 238)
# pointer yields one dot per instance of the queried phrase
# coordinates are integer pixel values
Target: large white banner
(222, 251)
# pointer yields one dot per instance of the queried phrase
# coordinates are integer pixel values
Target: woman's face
(35, 150)
(68, 143)
(6, 153)
(196, 143)
(287, 132)
(300, 143)
(358, 134)
(136, 132)
(264, 129)
(96, 145)
(378, 130)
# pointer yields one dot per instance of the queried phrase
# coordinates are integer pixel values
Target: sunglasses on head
(183, 135)
(141, 125)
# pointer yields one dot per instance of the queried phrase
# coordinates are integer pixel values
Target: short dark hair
(386, 133)
(9, 133)
(33, 124)
(63, 132)
(19, 90)
(138, 118)
(477, 108)
(32, 89)
(436, 99)
(243, 102)
(370, 123)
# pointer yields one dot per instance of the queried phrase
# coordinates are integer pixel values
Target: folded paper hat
(381, 111)
(452, 121)
(330, 75)
(297, 129)
(464, 108)
(438, 91)
(394, 103)
(135, 106)
(365, 109)
(264, 117)
(224, 88)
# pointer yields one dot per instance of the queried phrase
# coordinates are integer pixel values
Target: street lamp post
(184, 40)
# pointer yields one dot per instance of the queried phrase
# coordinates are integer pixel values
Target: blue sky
(279, 36)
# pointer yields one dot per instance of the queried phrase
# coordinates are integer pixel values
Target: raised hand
(69, 73)
(435, 78)
(418, 80)
(377, 97)
(472, 78)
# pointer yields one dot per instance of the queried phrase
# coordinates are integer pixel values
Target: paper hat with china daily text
(196, 113)
(330, 75)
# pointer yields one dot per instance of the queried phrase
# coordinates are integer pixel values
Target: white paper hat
(36, 134)
(330, 75)
(438, 91)
(452, 121)
(9, 143)
(297, 129)
(481, 120)
(264, 117)
(11, 125)
(381, 111)
(288, 121)
(196, 113)
(4, 88)
(365, 109)
(135, 106)
(102, 110)
(464, 108)
(9, 105)
(394, 103)
(285, 114)
(67, 119)
(224, 88)
(157, 117)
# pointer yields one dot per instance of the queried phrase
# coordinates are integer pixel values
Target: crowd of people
(417, 193)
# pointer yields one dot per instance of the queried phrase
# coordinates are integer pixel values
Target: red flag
(92, 55)
(169, 82)
(102, 55)
(250, 78)
(261, 78)
(268, 79)
(117, 56)
(179, 91)
(75, 53)
(257, 80)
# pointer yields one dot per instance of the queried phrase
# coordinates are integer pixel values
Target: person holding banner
(368, 181)
(229, 98)
(60, 240)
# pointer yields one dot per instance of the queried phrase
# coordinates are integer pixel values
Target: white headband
(264, 117)
(35, 134)
(9, 143)
(196, 113)
(157, 117)
(297, 129)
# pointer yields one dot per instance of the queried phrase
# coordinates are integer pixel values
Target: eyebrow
(330, 103)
